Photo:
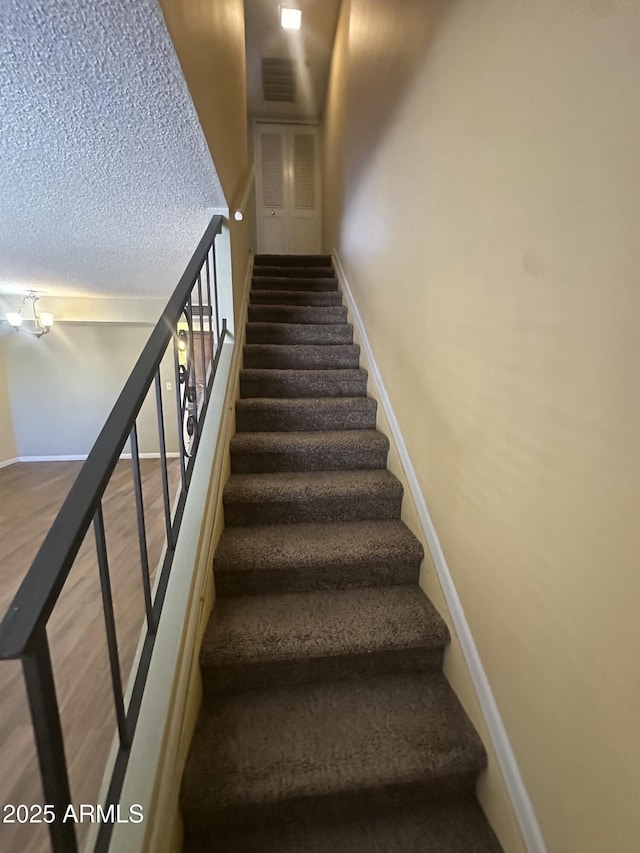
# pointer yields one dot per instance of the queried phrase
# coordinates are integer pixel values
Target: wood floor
(30, 497)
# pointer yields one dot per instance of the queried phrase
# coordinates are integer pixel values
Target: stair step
(262, 452)
(452, 825)
(263, 270)
(288, 498)
(303, 383)
(317, 314)
(302, 356)
(292, 261)
(295, 333)
(327, 725)
(258, 641)
(295, 297)
(348, 744)
(306, 557)
(296, 283)
(264, 414)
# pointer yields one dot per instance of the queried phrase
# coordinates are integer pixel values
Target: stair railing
(23, 631)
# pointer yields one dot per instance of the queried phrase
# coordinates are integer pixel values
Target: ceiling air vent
(278, 80)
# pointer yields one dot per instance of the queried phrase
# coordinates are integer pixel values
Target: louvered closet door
(271, 144)
(288, 186)
(305, 208)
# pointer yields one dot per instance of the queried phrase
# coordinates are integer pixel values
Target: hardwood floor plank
(30, 496)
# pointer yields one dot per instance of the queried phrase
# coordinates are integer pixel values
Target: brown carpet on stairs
(327, 725)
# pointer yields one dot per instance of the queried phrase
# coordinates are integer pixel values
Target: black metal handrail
(23, 631)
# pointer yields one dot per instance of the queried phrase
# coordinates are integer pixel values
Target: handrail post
(45, 714)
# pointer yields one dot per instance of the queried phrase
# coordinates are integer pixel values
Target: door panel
(272, 157)
(305, 236)
(305, 207)
(274, 238)
(288, 187)
(304, 176)
(272, 190)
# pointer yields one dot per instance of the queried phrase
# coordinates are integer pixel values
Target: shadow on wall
(399, 34)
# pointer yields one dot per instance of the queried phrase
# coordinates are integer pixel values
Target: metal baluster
(163, 466)
(191, 395)
(110, 625)
(45, 715)
(142, 533)
(215, 292)
(180, 412)
(204, 365)
(210, 308)
(191, 361)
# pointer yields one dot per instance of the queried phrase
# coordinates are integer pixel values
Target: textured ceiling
(105, 176)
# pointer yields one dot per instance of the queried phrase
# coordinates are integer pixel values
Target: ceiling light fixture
(290, 19)
(43, 321)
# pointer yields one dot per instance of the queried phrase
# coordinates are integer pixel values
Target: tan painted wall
(489, 233)
(240, 233)
(92, 309)
(63, 387)
(333, 133)
(8, 449)
(209, 40)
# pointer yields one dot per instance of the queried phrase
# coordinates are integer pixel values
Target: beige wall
(8, 449)
(63, 387)
(333, 131)
(209, 40)
(489, 233)
(91, 309)
(240, 233)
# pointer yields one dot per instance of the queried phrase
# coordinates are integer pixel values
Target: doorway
(288, 198)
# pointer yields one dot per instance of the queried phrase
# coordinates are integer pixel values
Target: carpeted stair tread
(296, 283)
(292, 261)
(295, 297)
(317, 314)
(308, 451)
(452, 825)
(263, 270)
(362, 742)
(299, 333)
(304, 557)
(327, 724)
(290, 497)
(302, 356)
(316, 413)
(259, 641)
(268, 382)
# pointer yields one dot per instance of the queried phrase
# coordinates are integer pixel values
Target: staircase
(327, 725)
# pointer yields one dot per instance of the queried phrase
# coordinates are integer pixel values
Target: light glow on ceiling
(290, 19)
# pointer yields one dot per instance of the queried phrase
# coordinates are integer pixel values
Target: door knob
(273, 213)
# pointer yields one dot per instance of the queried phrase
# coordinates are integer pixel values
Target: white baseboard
(522, 805)
(77, 457)
(8, 462)
(80, 457)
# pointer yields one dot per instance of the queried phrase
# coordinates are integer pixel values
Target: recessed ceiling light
(290, 19)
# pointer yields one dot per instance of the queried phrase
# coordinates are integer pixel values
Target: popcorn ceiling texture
(105, 175)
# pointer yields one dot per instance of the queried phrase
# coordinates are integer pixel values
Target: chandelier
(43, 321)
